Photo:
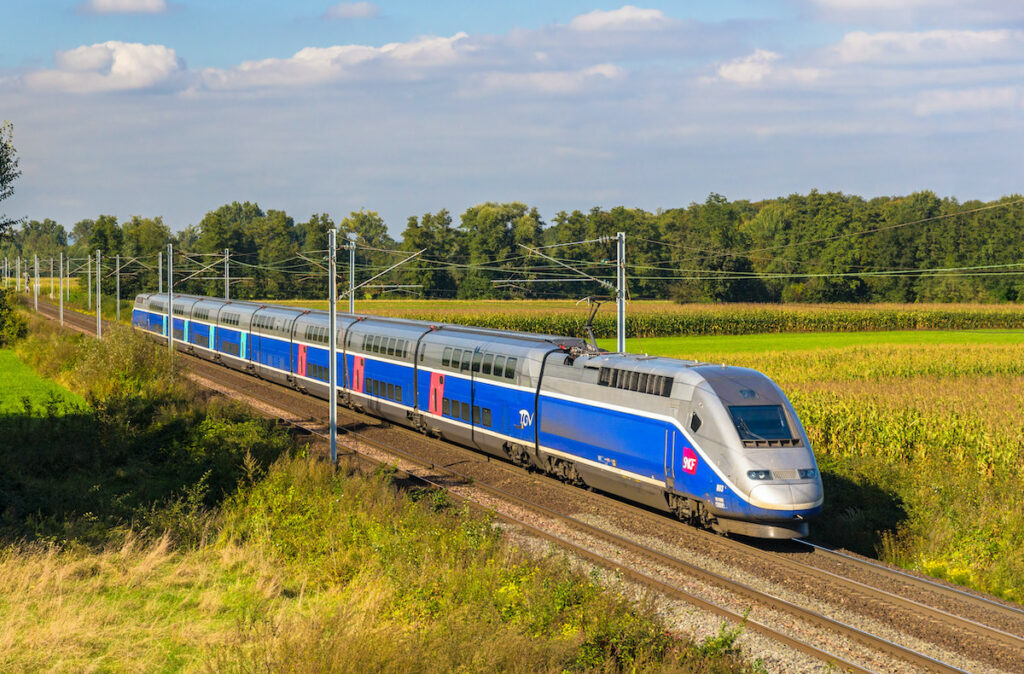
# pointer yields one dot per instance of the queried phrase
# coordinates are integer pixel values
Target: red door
(357, 373)
(436, 392)
(301, 367)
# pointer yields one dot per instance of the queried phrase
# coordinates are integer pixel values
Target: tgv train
(718, 446)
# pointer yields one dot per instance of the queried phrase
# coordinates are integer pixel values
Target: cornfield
(662, 319)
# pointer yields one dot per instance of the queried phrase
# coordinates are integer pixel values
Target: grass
(19, 383)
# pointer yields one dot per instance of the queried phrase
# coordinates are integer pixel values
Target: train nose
(782, 496)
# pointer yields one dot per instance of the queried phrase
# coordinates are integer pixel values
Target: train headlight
(808, 473)
(759, 474)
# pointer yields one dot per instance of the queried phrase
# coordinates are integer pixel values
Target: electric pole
(332, 374)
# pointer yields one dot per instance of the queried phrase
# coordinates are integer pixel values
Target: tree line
(816, 247)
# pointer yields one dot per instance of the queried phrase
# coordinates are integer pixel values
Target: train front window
(761, 422)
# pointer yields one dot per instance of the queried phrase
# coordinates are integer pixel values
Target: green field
(712, 346)
(18, 383)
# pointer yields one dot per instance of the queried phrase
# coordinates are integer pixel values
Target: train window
(446, 406)
(488, 359)
(477, 357)
(467, 357)
(465, 411)
(642, 383)
(398, 392)
(510, 368)
(375, 347)
(499, 365)
(605, 376)
(666, 387)
(446, 357)
(456, 358)
(366, 342)
(695, 422)
(389, 346)
(391, 391)
(487, 417)
(476, 414)
(760, 422)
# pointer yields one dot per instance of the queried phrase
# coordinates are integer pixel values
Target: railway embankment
(150, 525)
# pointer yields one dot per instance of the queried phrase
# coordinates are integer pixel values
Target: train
(715, 445)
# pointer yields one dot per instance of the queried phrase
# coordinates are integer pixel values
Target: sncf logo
(689, 461)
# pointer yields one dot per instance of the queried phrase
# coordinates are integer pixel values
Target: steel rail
(932, 585)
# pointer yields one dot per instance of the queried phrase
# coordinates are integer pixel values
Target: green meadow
(20, 383)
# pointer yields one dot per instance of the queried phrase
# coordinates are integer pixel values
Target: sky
(174, 107)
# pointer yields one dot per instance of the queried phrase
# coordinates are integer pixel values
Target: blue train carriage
(380, 365)
(478, 387)
(719, 446)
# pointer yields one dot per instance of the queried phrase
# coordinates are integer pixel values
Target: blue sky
(172, 108)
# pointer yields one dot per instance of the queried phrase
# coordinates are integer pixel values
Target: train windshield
(761, 422)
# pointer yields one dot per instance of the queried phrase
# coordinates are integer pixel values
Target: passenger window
(391, 391)
(477, 357)
(467, 356)
(446, 406)
(391, 346)
(487, 417)
(510, 368)
(456, 357)
(604, 378)
(366, 342)
(476, 414)
(499, 365)
(642, 385)
(465, 411)
(398, 393)
(488, 359)
(446, 358)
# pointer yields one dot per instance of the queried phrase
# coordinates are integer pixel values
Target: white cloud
(124, 6)
(626, 18)
(549, 82)
(969, 100)
(930, 46)
(749, 69)
(324, 64)
(927, 12)
(353, 10)
(109, 66)
(762, 66)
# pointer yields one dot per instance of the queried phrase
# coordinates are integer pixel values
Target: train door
(436, 392)
(474, 398)
(670, 457)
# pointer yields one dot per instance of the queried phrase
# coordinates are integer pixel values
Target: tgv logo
(689, 461)
(525, 419)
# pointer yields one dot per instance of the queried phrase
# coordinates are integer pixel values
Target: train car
(715, 445)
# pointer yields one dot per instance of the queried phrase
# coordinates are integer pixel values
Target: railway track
(987, 631)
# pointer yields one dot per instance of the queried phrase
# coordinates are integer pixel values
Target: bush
(13, 325)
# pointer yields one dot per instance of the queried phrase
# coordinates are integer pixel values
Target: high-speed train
(715, 445)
